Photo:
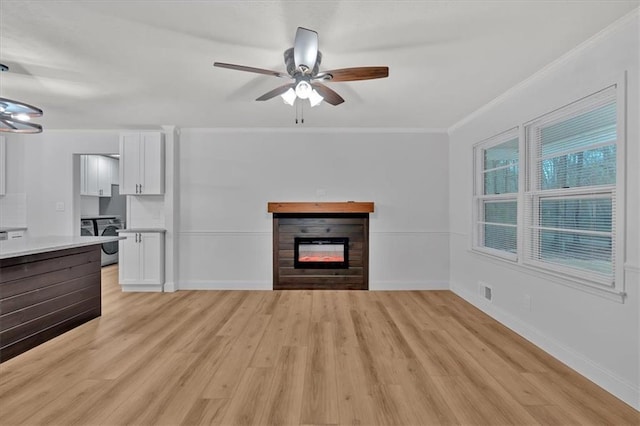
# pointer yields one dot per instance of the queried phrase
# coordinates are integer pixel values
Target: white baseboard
(267, 285)
(225, 285)
(169, 287)
(408, 285)
(142, 288)
(612, 383)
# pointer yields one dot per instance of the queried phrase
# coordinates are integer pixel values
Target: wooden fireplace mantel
(320, 207)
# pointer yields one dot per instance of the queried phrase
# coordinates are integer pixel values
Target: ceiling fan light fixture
(15, 115)
(315, 98)
(289, 97)
(303, 89)
(21, 117)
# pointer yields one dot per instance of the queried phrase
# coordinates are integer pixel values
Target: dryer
(108, 227)
(87, 228)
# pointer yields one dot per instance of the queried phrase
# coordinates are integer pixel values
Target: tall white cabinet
(142, 163)
(141, 258)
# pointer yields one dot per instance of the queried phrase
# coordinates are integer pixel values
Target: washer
(108, 227)
(87, 228)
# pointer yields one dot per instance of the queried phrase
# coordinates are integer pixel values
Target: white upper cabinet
(3, 166)
(104, 175)
(96, 173)
(89, 175)
(91, 170)
(142, 163)
(115, 172)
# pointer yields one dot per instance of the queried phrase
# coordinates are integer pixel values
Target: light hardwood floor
(295, 358)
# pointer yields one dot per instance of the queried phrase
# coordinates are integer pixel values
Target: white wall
(596, 336)
(50, 178)
(228, 176)
(89, 205)
(13, 205)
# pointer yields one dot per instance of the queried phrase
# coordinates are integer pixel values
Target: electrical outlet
(321, 193)
(60, 206)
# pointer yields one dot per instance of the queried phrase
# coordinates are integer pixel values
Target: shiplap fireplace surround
(331, 223)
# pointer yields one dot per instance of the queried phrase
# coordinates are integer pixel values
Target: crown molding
(386, 130)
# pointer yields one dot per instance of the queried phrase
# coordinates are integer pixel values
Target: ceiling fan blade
(305, 48)
(251, 69)
(354, 74)
(329, 95)
(275, 92)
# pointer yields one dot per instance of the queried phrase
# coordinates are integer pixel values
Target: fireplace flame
(321, 259)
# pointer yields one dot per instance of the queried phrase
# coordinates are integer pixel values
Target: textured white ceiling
(140, 64)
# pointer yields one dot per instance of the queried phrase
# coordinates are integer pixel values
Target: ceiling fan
(15, 115)
(303, 67)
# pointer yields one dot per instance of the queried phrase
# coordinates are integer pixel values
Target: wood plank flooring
(295, 358)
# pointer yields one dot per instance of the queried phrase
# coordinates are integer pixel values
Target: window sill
(498, 254)
(587, 287)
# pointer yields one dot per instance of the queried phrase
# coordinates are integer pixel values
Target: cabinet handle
(141, 188)
(136, 188)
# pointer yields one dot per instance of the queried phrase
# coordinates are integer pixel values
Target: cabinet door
(3, 166)
(152, 167)
(91, 169)
(83, 175)
(129, 269)
(152, 258)
(115, 171)
(104, 176)
(129, 163)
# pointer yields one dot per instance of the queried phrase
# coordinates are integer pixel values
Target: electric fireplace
(321, 253)
(320, 245)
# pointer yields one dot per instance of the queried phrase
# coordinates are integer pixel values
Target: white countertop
(34, 245)
(100, 216)
(140, 230)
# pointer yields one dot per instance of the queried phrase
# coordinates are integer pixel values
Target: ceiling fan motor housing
(291, 63)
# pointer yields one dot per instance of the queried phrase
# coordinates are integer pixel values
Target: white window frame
(613, 290)
(479, 197)
(533, 195)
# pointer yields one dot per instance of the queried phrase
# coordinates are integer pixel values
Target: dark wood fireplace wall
(330, 221)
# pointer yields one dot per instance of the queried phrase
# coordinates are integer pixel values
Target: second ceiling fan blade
(251, 69)
(275, 92)
(354, 74)
(305, 48)
(329, 95)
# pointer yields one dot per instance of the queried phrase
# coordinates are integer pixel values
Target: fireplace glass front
(321, 253)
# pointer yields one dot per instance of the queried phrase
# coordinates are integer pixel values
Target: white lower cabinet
(141, 261)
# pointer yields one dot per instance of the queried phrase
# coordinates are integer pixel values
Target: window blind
(496, 191)
(570, 198)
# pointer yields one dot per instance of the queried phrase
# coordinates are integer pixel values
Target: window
(561, 215)
(496, 195)
(570, 219)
